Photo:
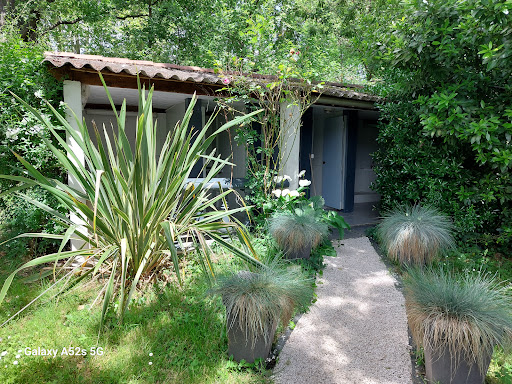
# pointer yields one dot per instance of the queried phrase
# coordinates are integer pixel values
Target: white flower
(286, 177)
(15, 362)
(18, 356)
(302, 173)
(36, 129)
(294, 194)
(285, 192)
(505, 11)
(12, 133)
(277, 192)
(304, 183)
(150, 363)
(3, 353)
(151, 354)
(19, 351)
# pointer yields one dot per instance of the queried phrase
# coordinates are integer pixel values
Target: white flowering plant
(284, 198)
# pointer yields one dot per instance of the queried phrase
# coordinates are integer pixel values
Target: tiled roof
(175, 72)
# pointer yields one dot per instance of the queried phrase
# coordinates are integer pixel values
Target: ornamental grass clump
(415, 234)
(256, 301)
(298, 230)
(467, 314)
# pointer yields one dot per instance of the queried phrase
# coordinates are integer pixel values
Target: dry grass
(296, 231)
(469, 314)
(257, 301)
(415, 235)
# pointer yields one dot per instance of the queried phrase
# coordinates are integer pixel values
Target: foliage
(21, 72)
(445, 137)
(283, 98)
(415, 235)
(285, 199)
(331, 35)
(294, 231)
(334, 220)
(470, 314)
(180, 330)
(257, 301)
(136, 203)
(474, 259)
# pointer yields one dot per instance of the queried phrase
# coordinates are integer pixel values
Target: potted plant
(415, 234)
(458, 319)
(255, 303)
(298, 232)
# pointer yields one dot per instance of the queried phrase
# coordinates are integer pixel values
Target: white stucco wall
(318, 149)
(366, 144)
(290, 142)
(73, 98)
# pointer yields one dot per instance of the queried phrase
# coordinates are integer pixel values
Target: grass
(263, 297)
(415, 234)
(468, 313)
(182, 328)
(473, 260)
(296, 231)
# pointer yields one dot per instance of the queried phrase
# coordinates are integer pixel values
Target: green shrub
(22, 72)
(447, 124)
(415, 235)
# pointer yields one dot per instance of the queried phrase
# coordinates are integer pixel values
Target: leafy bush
(446, 129)
(470, 314)
(22, 72)
(415, 235)
(137, 203)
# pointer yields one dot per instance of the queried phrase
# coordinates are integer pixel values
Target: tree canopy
(331, 35)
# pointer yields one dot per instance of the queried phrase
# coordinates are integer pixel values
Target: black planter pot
(244, 346)
(442, 368)
(304, 253)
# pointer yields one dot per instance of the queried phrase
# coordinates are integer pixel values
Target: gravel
(356, 332)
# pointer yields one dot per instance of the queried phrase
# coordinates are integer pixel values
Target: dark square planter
(240, 343)
(441, 368)
(304, 253)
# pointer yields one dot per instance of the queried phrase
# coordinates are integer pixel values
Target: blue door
(334, 162)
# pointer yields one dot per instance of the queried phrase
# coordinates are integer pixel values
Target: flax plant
(470, 314)
(415, 234)
(137, 203)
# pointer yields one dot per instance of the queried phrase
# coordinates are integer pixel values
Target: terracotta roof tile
(174, 72)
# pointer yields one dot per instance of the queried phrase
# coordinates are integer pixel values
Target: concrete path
(356, 332)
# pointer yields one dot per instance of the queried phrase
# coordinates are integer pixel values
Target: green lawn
(171, 335)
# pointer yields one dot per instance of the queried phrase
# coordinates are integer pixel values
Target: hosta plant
(299, 231)
(458, 319)
(137, 203)
(415, 234)
(256, 301)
